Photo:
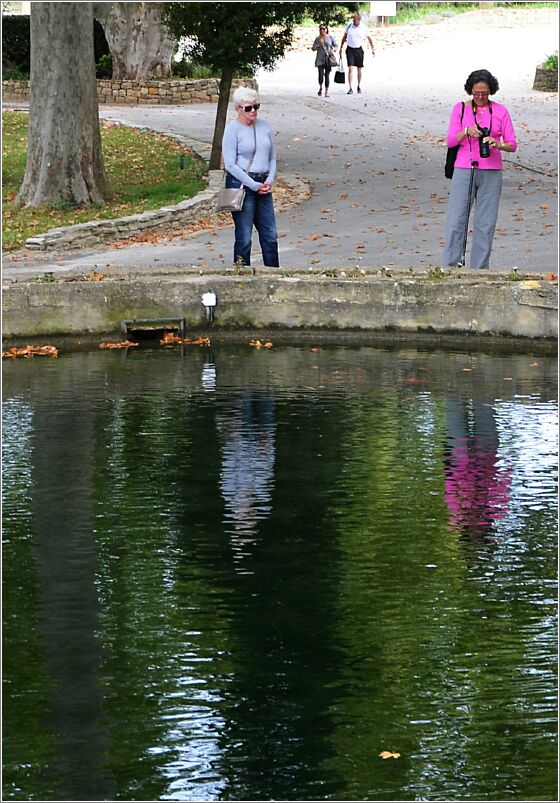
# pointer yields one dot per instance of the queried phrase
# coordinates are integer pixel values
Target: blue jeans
(258, 211)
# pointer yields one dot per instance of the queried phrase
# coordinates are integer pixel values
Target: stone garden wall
(204, 90)
(546, 80)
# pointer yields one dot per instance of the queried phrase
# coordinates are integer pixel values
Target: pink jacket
(502, 129)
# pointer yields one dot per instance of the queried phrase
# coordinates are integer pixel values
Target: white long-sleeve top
(238, 150)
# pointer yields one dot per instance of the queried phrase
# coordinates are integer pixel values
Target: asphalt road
(375, 160)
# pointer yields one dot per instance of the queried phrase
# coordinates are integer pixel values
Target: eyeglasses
(481, 94)
(255, 106)
(322, 29)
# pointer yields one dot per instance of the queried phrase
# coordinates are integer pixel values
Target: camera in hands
(483, 147)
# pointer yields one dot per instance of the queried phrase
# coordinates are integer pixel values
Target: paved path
(375, 160)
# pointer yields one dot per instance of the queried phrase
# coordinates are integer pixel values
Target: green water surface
(233, 574)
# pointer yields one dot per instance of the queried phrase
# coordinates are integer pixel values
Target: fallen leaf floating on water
(171, 339)
(123, 344)
(388, 754)
(31, 351)
(258, 345)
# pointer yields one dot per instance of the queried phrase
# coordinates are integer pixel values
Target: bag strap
(255, 153)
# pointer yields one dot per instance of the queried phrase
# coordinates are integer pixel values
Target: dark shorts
(355, 56)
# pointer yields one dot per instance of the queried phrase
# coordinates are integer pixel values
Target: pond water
(233, 574)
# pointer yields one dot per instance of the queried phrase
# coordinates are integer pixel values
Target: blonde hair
(244, 94)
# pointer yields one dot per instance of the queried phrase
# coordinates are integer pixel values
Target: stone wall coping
(394, 304)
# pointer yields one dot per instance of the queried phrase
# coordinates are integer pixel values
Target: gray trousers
(486, 191)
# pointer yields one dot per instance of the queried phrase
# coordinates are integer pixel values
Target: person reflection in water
(247, 475)
(476, 490)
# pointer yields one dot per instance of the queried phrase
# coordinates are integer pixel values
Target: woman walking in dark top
(325, 46)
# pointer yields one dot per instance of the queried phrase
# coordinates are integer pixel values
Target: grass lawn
(143, 170)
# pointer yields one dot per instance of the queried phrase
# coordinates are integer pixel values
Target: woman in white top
(250, 161)
(356, 32)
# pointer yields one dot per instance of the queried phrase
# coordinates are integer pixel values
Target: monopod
(461, 263)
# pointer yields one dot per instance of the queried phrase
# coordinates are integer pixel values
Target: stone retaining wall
(204, 90)
(546, 80)
(489, 306)
(100, 232)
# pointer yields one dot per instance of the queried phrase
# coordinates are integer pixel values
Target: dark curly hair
(482, 76)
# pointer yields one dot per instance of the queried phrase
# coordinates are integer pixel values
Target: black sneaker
(350, 91)
(359, 91)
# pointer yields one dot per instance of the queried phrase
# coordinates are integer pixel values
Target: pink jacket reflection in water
(477, 491)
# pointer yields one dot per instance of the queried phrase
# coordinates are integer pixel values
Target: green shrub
(14, 75)
(191, 68)
(104, 67)
(551, 62)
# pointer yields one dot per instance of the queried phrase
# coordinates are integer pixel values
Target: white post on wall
(383, 8)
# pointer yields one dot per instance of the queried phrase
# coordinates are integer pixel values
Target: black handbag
(340, 75)
(452, 154)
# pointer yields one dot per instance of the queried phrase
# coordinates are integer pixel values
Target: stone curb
(100, 232)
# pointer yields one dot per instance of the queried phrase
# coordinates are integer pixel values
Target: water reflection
(477, 487)
(247, 432)
(241, 576)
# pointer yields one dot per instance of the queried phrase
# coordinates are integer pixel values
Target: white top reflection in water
(248, 450)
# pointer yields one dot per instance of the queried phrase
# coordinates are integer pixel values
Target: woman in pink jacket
(484, 131)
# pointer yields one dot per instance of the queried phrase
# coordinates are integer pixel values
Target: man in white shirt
(356, 32)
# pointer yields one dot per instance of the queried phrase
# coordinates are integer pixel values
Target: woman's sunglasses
(255, 106)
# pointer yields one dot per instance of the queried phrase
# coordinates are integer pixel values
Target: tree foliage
(245, 36)
(238, 38)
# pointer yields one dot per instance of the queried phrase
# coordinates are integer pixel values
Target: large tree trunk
(221, 116)
(64, 159)
(140, 45)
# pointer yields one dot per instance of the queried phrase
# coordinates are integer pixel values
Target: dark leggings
(324, 72)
